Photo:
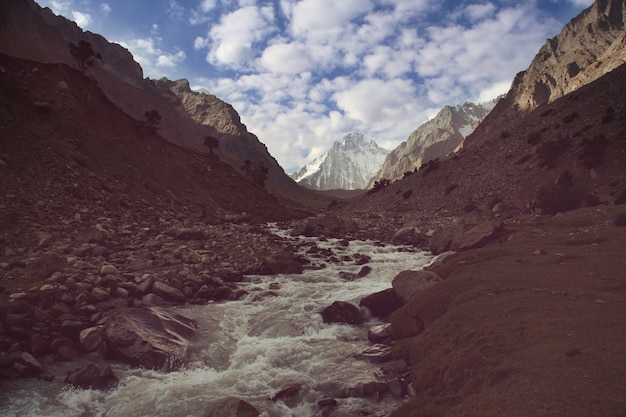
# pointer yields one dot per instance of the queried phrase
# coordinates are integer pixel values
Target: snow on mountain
(349, 165)
(434, 139)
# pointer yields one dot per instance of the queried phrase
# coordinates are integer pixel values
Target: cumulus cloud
(105, 8)
(82, 19)
(155, 61)
(233, 39)
(318, 69)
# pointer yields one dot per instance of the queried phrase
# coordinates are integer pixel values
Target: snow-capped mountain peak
(349, 165)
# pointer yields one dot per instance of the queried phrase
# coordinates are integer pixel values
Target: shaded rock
(376, 353)
(233, 407)
(381, 304)
(190, 234)
(92, 339)
(281, 264)
(152, 337)
(167, 292)
(342, 312)
(91, 376)
(26, 364)
(46, 265)
(410, 236)
(287, 391)
(379, 333)
(466, 234)
(107, 269)
(407, 283)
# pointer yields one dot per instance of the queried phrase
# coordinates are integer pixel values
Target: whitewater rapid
(248, 349)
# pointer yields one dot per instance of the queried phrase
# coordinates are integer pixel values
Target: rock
(153, 300)
(67, 353)
(281, 264)
(287, 391)
(364, 271)
(47, 264)
(381, 304)
(410, 236)
(342, 312)
(153, 338)
(466, 234)
(92, 339)
(327, 402)
(29, 365)
(168, 293)
(376, 353)
(107, 269)
(91, 376)
(233, 407)
(374, 389)
(71, 328)
(137, 265)
(190, 234)
(100, 294)
(379, 333)
(408, 283)
(38, 345)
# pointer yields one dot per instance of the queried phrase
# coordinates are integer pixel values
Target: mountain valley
(520, 313)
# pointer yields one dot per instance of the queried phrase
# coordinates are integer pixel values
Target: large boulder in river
(281, 264)
(154, 338)
(466, 234)
(408, 283)
(342, 312)
(381, 304)
(91, 376)
(233, 407)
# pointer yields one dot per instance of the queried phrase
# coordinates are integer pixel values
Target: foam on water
(248, 349)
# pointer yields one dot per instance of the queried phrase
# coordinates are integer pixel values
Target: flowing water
(248, 349)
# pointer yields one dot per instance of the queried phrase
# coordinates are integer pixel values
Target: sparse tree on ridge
(83, 54)
(152, 119)
(211, 143)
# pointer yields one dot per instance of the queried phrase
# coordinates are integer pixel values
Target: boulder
(168, 292)
(381, 304)
(380, 333)
(376, 353)
(92, 339)
(410, 236)
(342, 312)
(233, 407)
(408, 283)
(91, 376)
(287, 392)
(466, 234)
(46, 265)
(153, 337)
(281, 264)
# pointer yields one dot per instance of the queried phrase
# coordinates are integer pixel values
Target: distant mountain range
(434, 139)
(349, 165)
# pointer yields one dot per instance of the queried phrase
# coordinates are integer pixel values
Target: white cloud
(82, 19)
(310, 16)
(171, 59)
(319, 69)
(580, 3)
(208, 5)
(286, 58)
(105, 8)
(155, 62)
(234, 38)
(61, 6)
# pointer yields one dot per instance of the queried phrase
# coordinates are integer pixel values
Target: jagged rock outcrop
(349, 165)
(589, 46)
(30, 32)
(434, 139)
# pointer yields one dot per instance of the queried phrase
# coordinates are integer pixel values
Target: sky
(304, 73)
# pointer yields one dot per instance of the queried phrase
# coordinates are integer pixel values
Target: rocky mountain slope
(434, 139)
(349, 165)
(589, 46)
(30, 32)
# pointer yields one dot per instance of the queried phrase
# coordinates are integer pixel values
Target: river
(248, 349)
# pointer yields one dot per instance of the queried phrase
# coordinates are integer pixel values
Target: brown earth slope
(534, 325)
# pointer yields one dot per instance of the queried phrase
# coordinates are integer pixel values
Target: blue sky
(304, 73)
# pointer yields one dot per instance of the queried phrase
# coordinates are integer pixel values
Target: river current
(248, 349)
